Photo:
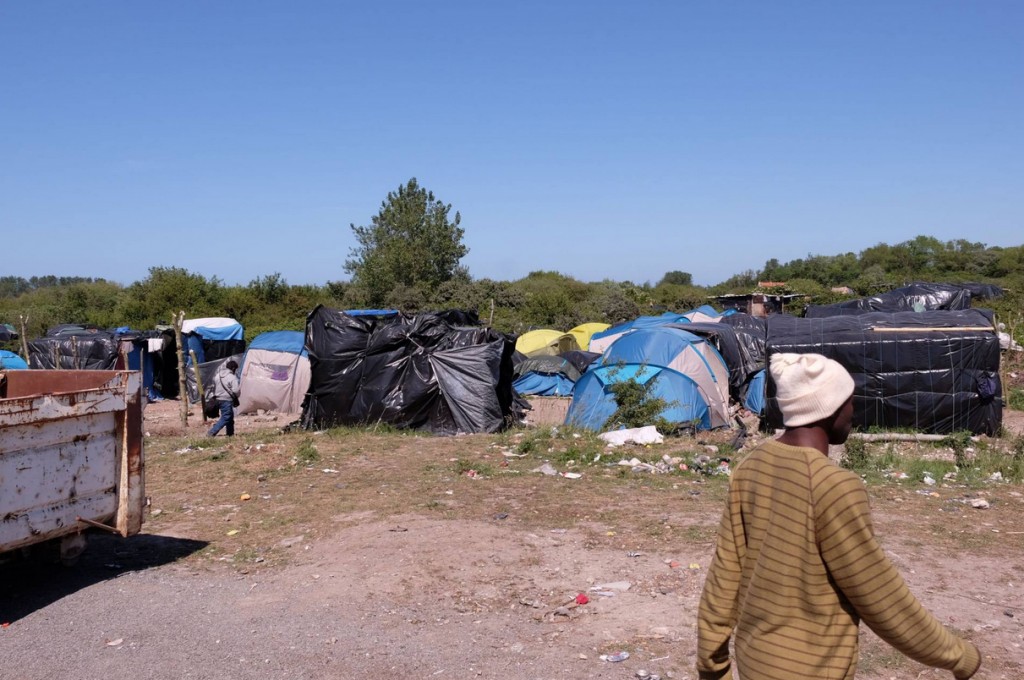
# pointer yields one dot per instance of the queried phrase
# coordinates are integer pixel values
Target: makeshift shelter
(545, 341)
(81, 349)
(601, 341)
(545, 376)
(584, 331)
(7, 332)
(752, 336)
(935, 372)
(210, 339)
(690, 374)
(916, 297)
(414, 372)
(275, 373)
(9, 361)
(723, 337)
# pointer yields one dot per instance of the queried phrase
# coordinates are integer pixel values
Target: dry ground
(418, 556)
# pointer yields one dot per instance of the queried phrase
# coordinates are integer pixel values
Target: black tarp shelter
(934, 372)
(416, 372)
(915, 297)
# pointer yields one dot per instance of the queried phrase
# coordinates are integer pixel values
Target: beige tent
(275, 373)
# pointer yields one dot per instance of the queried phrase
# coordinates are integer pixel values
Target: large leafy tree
(411, 244)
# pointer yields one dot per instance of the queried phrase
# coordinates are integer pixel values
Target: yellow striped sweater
(797, 567)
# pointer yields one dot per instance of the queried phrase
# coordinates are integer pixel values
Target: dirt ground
(353, 554)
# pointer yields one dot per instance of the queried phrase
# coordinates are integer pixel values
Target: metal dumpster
(71, 456)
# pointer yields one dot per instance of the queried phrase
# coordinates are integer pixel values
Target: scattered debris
(621, 586)
(980, 504)
(638, 435)
(616, 657)
(546, 469)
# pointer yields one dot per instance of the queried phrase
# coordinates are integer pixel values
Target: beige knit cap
(809, 387)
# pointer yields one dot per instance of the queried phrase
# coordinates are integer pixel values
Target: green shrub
(636, 405)
(856, 456)
(306, 453)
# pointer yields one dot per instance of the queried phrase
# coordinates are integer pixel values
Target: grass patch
(1015, 399)
(464, 466)
(306, 452)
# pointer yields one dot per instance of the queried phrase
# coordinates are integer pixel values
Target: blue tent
(755, 397)
(599, 342)
(11, 361)
(690, 376)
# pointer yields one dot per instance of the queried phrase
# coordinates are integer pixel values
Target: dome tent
(545, 341)
(691, 377)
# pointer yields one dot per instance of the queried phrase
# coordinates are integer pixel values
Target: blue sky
(238, 139)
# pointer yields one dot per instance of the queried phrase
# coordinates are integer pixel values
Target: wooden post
(199, 384)
(179, 319)
(24, 336)
(490, 322)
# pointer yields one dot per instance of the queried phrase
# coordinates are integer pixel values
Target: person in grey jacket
(225, 389)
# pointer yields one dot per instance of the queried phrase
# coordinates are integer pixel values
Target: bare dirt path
(385, 558)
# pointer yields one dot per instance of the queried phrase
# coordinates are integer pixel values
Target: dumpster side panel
(68, 455)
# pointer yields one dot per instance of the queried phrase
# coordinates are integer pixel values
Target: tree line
(409, 257)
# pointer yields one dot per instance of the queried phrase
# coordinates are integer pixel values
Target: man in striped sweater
(797, 565)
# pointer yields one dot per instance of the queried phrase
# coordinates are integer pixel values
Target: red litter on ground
(582, 598)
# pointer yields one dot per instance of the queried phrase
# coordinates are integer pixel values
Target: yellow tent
(545, 341)
(583, 332)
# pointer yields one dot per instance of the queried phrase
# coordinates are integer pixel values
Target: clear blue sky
(600, 139)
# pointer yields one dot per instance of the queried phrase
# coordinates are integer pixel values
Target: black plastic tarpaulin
(916, 297)
(415, 372)
(751, 334)
(85, 350)
(934, 372)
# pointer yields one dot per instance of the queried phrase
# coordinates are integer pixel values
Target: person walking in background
(226, 391)
(797, 565)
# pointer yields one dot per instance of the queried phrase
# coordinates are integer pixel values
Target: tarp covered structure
(723, 337)
(275, 373)
(545, 341)
(545, 376)
(935, 372)
(414, 372)
(690, 376)
(915, 297)
(79, 350)
(212, 338)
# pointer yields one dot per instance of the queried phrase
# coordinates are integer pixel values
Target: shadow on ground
(33, 579)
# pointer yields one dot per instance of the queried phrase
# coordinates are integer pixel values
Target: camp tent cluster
(921, 357)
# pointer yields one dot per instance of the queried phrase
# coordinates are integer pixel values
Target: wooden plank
(131, 488)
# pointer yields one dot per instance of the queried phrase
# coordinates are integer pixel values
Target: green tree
(167, 290)
(677, 278)
(411, 243)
